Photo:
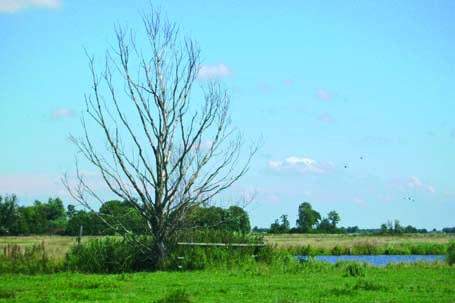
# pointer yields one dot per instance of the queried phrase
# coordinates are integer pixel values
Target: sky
(353, 101)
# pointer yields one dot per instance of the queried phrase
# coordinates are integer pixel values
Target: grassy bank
(316, 282)
(364, 244)
(58, 246)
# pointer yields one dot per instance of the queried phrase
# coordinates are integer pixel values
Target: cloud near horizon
(415, 183)
(323, 94)
(300, 165)
(13, 6)
(62, 112)
(326, 118)
(207, 72)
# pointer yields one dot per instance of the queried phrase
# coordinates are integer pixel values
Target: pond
(382, 260)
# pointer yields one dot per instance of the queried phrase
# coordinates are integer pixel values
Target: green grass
(315, 282)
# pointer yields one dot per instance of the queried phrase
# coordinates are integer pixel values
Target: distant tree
(397, 228)
(307, 218)
(383, 229)
(325, 226)
(410, 230)
(281, 226)
(71, 211)
(449, 230)
(120, 216)
(233, 219)
(54, 209)
(237, 220)
(91, 224)
(352, 229)
(8, 209)
(334, 218)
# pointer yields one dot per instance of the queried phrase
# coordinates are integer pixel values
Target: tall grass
(451, 254)
(110, 255)
(28, 260)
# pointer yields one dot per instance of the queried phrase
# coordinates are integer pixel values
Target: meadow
(58, 246)
(314, 282)
(281, 279)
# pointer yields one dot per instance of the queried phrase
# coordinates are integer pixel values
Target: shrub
(451, 253)
(110, 255)
(177, 296)
(354, 269)
(337, 251)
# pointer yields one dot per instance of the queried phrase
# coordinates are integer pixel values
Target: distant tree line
(394, 227)
(311, 221)
(39, 218)
(51, 218)
(308, 221)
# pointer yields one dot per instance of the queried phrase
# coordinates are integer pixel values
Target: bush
(337, 251)
(177, 296)
(354, 269)
(451, 253)
(110, 255)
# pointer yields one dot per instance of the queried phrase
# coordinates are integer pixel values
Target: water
(382, 260)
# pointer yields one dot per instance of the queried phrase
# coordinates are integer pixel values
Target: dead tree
(163, 151)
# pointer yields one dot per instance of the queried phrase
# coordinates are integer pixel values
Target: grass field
(329, 241)
(366, 244)
(283, 280)
(315, 283)
(58, 246)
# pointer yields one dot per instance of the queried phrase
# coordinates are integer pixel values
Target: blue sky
(354, 100)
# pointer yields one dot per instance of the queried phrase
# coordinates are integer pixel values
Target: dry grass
(327, 242)
(56, 246)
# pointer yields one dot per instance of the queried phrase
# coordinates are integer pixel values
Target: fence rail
(221, 244)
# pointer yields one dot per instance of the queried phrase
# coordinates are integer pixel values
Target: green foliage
(110, 255)
(28, 260)
(451, 253)
(176, 296)
(39, 218)
(121, 216)
(8, 208)
(307, 218)
(91, 224)
(232, 219)
(354, 269)
(280, 228)
(197, 257)
(365, 248)
(337, 251)
(7, 294)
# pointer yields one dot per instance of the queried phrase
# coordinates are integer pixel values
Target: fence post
(79, 239)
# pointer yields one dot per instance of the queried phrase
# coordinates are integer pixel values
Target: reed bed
(433, 244)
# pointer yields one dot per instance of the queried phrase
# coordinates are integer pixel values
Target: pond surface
(382, 260)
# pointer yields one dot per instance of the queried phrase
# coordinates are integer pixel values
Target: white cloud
(324, 94)
(414, 182)
(62, 112)
(214, 71)
(300, 165)
(326, 118)
(359, 201)
(288, 82)
(12, 6)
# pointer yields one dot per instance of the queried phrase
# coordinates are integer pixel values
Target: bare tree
(162, 153)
